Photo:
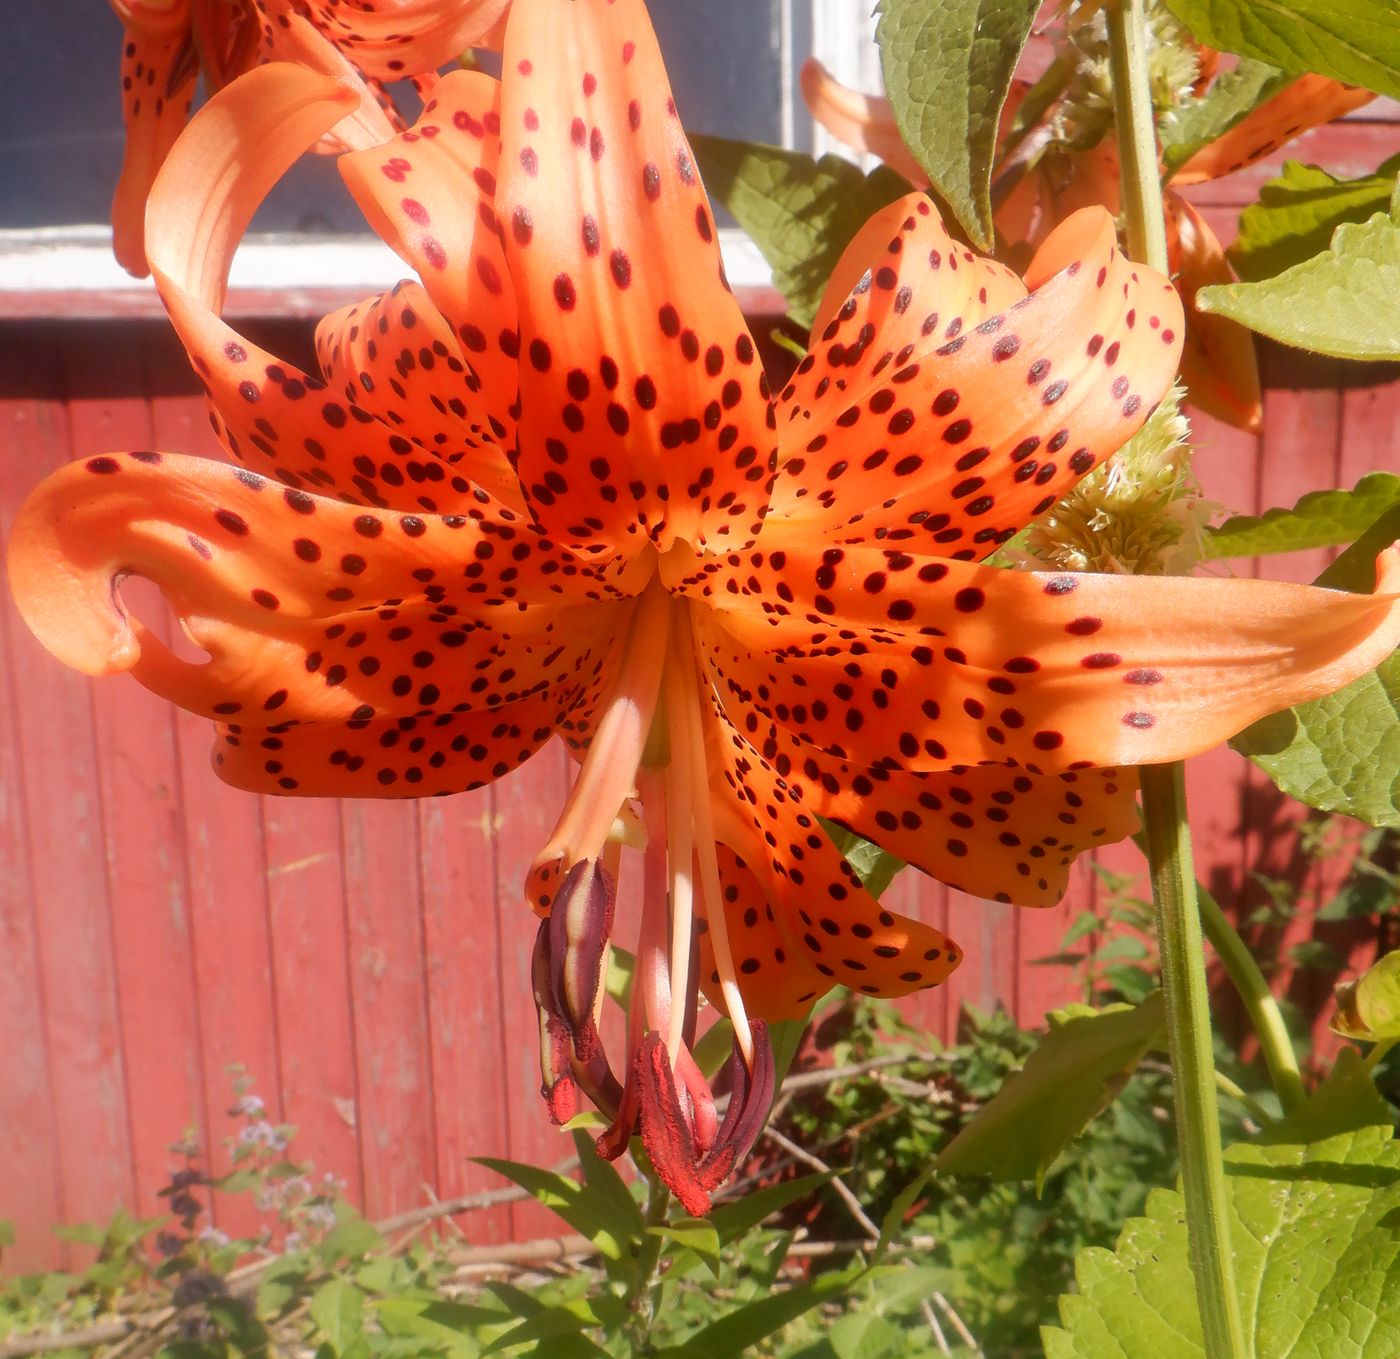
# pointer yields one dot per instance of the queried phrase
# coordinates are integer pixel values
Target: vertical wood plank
(527, 805)
(57, 754)
(311, 985)
(465, 989)
(29, 1173)
(389, 996)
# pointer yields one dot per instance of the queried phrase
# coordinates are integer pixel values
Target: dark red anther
(664, 1127)
(750, 1098)
(580, 926)
(557, 1084)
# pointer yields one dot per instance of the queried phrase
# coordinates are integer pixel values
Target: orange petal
(1308, 102)
(290, 35)
(227, 38)
(881, 657)
(1218, 362)
(864, 122)
(351, 654)
(995, 831)
(952, 445)
(269, 414)
(409, 37)
(395, 357)
(158, 78)
(430, 194)
(643, 402)
(157, 18)
(819, 906)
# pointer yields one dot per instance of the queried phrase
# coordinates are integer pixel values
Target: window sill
(68, 273)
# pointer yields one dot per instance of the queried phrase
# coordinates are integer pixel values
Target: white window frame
(68, 272)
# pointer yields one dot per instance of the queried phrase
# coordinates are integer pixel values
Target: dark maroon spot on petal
(1139, 720)
(1084, 627)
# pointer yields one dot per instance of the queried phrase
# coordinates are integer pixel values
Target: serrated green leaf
(338, 1308)
(1074, 1073)
(281, 1282)
(1341, 753)
(1297, 213)
(350, 1238)
(1195, 123)
(948, 66)
(1316, 1254)
(734, 1332)
(801, 213)
(1345, 302)
(1345, 1102)
(1319, 519)
(1354, 41)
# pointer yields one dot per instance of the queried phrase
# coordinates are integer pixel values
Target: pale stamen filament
(679, 833)
(652, 994)
(609, 773)
(688, 735)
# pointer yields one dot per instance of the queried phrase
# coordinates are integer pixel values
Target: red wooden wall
(368, 963)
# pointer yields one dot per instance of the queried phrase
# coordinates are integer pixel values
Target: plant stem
(641, 1297)
(1264, 1013)
(1164, 793)
(1193, 1070)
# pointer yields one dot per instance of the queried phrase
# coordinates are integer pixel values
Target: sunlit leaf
(801, 213)
(733, 1219)
(1195, 123)
(337, 1307)
(874, 866)
(948, 66)
(1344, 302)
(1341, 753)
(1354, 41)
(1297, 213)
(1319, 519)
(1369, 1007)
(1074, 1073)
(585, 1209)
(1316, 1256)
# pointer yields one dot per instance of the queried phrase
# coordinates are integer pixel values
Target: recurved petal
(430, 194)
(830, 923)
(644, 413)
(864, 122)
(289, 35)
(158, 77)
(409, 37)
(268, 413)
(1308, 102)
(248, 563)
(994, 831)
(951, 445)
(162, 18)
(1218, 361)
(876, 656)
(397, 358)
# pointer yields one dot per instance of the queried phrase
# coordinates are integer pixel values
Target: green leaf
(1345, 1102)
(624, 1217)
(549, 1323)
(1074, 1073)
(1319, 519)
(1195, 123)
(350, 1238)
(948, 66)
(621, 966)
(337, 1308)
(1341, 753)
(1368, 1008)
(734, 1219)
(7, 1232)
(874, 866)
(1354, 41)
(1344, 302)
(282, 1281)
(734, 1332)
(1317, 1261)
(1297, 213)
(693, 1235)
(583, 1208)
(801, 213)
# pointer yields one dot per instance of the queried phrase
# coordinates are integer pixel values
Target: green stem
(1137, 135)
(641, 1297)
(1228, 1087)
(1193, 1070)
(1264, 1013)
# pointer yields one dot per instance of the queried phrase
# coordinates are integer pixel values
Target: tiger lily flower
(168, 42)
(1218, 364)
(546, 490)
